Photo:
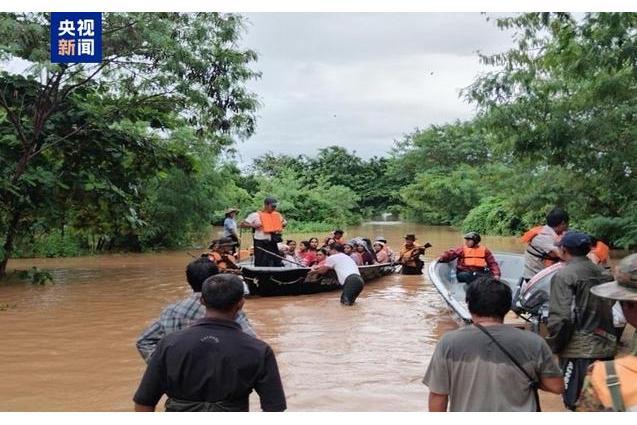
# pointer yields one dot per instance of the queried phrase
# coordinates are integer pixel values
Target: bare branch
(61, 139)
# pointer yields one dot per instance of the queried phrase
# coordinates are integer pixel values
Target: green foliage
(96, 148)
(35, 276)
(494, 216)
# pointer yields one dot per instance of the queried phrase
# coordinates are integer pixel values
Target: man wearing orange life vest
(221, 255)
(600, 253)
(474, 260)
(267, 226)
(612, 385)
(542, 250)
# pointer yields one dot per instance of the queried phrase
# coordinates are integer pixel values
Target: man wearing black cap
(580, 324)
(267, 226)
(212, 366)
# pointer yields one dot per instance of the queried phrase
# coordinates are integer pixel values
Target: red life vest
(474, 257)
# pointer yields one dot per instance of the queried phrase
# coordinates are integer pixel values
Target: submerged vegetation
(135, 153)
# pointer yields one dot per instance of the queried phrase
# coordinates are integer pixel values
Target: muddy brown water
(70, 346)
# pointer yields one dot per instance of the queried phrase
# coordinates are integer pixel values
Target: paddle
(279, 257)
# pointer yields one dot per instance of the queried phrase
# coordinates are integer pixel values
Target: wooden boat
(443, 276)
(274, 281)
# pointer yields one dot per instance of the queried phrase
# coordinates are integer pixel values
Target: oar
(279, 257)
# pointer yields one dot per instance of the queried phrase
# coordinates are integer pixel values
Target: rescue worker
(542, 251)
(267, 226)
(409, 255)
(221, 254)
(600, 253)
(612, 385)
(580, 325)
(474, 260)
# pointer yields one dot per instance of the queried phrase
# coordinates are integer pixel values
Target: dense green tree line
(133, 153)
(557, 125)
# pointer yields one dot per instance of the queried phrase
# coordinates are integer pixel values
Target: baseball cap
(574, 239)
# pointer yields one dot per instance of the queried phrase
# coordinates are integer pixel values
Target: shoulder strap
(534, 384)
(612, 382)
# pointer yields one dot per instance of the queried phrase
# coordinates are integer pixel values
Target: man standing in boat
(346, 272)
(542, 251)
(267, 227)
(580, 324)
(474, 260)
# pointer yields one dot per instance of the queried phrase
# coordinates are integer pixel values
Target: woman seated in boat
(382, 256)
(321, 256)
(474, 260)
(348, 248)
(221, 255)
(314, 244)
(327, 242)
(365, 253)
(307, 256)
(390, 253)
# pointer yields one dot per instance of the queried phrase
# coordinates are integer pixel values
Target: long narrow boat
(274, 281)
(443, 276)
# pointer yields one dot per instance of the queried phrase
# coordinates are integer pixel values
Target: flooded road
(70, 346)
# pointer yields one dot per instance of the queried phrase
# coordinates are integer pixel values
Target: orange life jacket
(626, 371)
(271, 222)
(601, 251)
(224, 262)
(474, 257)
(527, 237)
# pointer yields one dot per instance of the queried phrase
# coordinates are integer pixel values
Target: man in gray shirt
(542, 250)
(468, 372)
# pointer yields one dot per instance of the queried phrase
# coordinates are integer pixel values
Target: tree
(161, 72)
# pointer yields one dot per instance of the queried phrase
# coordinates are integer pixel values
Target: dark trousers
(468, 277)
(417, 269)
(263, 259)
(574, 371)
(352, 288)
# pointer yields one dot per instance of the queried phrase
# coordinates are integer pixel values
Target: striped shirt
(178, 316)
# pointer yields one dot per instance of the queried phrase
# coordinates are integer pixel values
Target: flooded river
(70, 346)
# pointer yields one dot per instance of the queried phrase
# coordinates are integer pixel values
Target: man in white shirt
(346, 272)
(266, 235)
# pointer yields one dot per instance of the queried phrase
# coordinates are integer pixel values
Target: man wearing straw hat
(230, 228)
(612, 384)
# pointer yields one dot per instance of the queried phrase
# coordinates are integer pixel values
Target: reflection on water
(70, 346)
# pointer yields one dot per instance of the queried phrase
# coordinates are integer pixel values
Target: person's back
(592, 329)
(470, 370)
(212, 365)
(478, 376)
(541, 251)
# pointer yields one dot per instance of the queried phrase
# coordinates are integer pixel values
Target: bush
(493, 216)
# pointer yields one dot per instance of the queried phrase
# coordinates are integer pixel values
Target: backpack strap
(612, 382)
(533, 383)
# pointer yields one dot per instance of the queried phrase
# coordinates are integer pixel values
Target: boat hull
(443, 276)
(277, 281)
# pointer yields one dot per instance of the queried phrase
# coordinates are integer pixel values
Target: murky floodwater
(71, 346)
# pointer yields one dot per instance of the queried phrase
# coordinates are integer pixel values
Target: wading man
(181, 314)
(212, 366)
(470, 372)
(580, 324)
(346, 272)
(267, 226)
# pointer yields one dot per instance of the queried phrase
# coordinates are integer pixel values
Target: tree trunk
(8, 243)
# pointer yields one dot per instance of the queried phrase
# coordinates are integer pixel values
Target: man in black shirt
(212, 365)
